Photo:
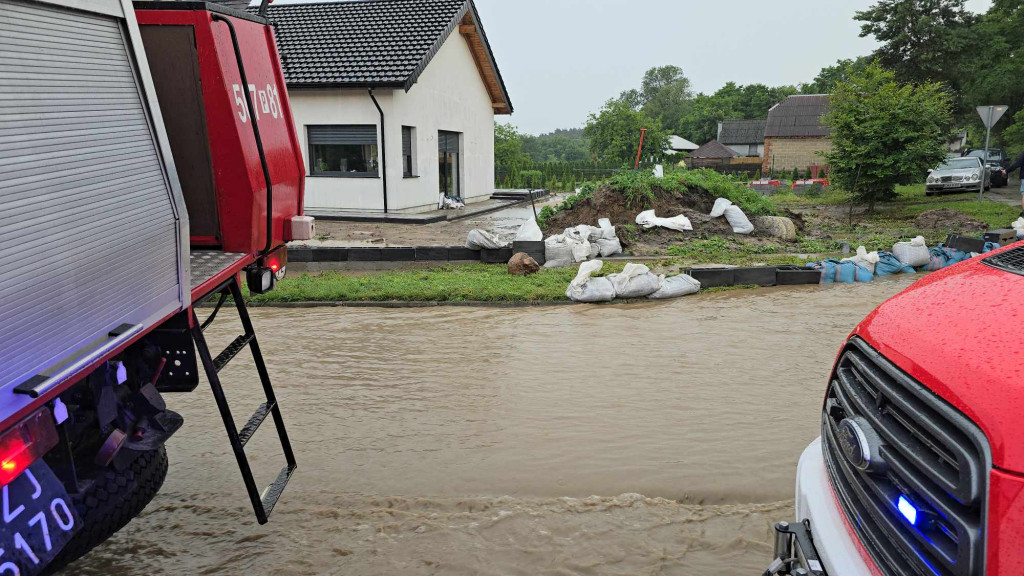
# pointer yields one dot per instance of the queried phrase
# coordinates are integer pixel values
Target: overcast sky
(562, 59)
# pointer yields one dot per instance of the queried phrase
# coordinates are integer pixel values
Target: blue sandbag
(833, 270)
(990, 246)
(943, 256)
(889, 265)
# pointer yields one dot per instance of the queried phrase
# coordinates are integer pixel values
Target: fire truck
(149, 167)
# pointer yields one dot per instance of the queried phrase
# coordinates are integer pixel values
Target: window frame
(409, 131)
(316, 173)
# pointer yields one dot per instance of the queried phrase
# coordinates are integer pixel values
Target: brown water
(472, 440)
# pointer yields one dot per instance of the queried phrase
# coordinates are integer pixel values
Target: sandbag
(676, 286)
(481, 239)
(914, 253)
(649, 220)
(1018, 225)
(738, 220)
(777, 227)
(609, 247)
(607, 230)
(718, 210)
(889, 265)
(583, 288)
(864, 259)
(833, 271)
(580, 250)
(942, 256)
(557, 252)
(529, 232)
(593, 233)
(595, 250)
(635, 281)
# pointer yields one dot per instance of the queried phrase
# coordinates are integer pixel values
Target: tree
(559, 146)
(508, 147)
(922, 40)
(885, 133)
(730, 102)
(994, 74)
(614, 134)
(842, 71)
(1013, 137)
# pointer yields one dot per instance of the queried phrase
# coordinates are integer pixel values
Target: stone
(522, 264)
(776, 226)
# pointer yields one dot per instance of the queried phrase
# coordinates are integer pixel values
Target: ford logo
(861, 445)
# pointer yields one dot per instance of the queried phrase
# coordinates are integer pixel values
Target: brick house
(795, 136)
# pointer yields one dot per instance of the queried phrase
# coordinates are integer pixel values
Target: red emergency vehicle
(148, 162)
(919, 469)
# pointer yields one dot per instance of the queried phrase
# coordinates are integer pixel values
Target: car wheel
(114, 498)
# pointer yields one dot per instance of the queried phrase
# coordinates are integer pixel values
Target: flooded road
(655, 438)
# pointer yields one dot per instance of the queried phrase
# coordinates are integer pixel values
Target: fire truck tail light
(25, 443)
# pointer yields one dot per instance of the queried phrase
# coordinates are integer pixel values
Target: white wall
(449, 95)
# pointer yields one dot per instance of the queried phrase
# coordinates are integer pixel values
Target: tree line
(970, 59)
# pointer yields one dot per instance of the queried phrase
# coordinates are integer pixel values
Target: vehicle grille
(1012, 260)
(946, 179)
(936, 457)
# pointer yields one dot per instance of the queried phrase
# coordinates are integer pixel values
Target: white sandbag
(1019, 227)
(557, 252)
(676, 286)
(576, 234)
(649, 220)
(738, 220)
(529, 232)
(595, 250)
(635, 281)
(609, 247)
(589, 233)
(580, 250)
(914, 253)
(583, 288)
(480, 239)
(659, 171)
(864, 259)
(608, 231)
(718, 209)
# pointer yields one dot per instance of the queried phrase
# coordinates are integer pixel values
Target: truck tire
(111, 502)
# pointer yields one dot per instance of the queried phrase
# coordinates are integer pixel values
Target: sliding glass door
(448, 164)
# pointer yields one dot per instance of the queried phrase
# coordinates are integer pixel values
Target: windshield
(993, 154)
(959, 164)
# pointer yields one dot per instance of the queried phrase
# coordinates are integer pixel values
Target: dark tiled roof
(798, 117)
(742, 132)
(713, 149)
(368, 43)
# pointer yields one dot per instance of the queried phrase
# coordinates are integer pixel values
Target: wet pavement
(652, 438)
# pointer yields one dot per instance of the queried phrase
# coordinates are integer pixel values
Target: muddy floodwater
(653, 438)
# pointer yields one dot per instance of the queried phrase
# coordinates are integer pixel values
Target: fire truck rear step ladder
(262, 503)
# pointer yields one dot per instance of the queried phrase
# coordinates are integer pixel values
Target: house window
(347, 151)
(408, 158)
(752, 150)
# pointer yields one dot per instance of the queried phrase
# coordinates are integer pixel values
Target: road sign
(991, 114)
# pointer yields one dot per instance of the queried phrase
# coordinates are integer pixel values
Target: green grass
(451, 283)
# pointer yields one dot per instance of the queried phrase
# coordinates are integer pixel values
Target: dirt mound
(610, 203)
(947, 219)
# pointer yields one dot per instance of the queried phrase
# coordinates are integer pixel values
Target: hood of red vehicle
(960, 332)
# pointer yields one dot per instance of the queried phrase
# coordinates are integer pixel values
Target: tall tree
(508, 147)
(664, 95)
(842, 71)
(614, 134)
(921, 39)
(885, 133)
(994, 72)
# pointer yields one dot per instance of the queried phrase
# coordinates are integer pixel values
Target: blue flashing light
(907, 510)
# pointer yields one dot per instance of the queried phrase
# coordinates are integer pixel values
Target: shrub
(531, 178)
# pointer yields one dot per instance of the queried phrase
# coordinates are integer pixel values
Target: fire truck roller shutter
(89, 222)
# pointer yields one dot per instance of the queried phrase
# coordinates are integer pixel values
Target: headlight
(932, 180)
(976, 177)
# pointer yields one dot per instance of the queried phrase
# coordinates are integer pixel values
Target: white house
(394, 101)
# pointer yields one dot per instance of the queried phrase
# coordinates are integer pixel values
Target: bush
(531, 178)
(795, 175)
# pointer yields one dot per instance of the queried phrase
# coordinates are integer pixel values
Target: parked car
(958, 175)
(919, 469)
(997, 162)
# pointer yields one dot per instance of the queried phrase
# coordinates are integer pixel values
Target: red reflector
(23, 444)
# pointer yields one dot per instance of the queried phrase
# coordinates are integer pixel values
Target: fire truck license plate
(38, 520)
